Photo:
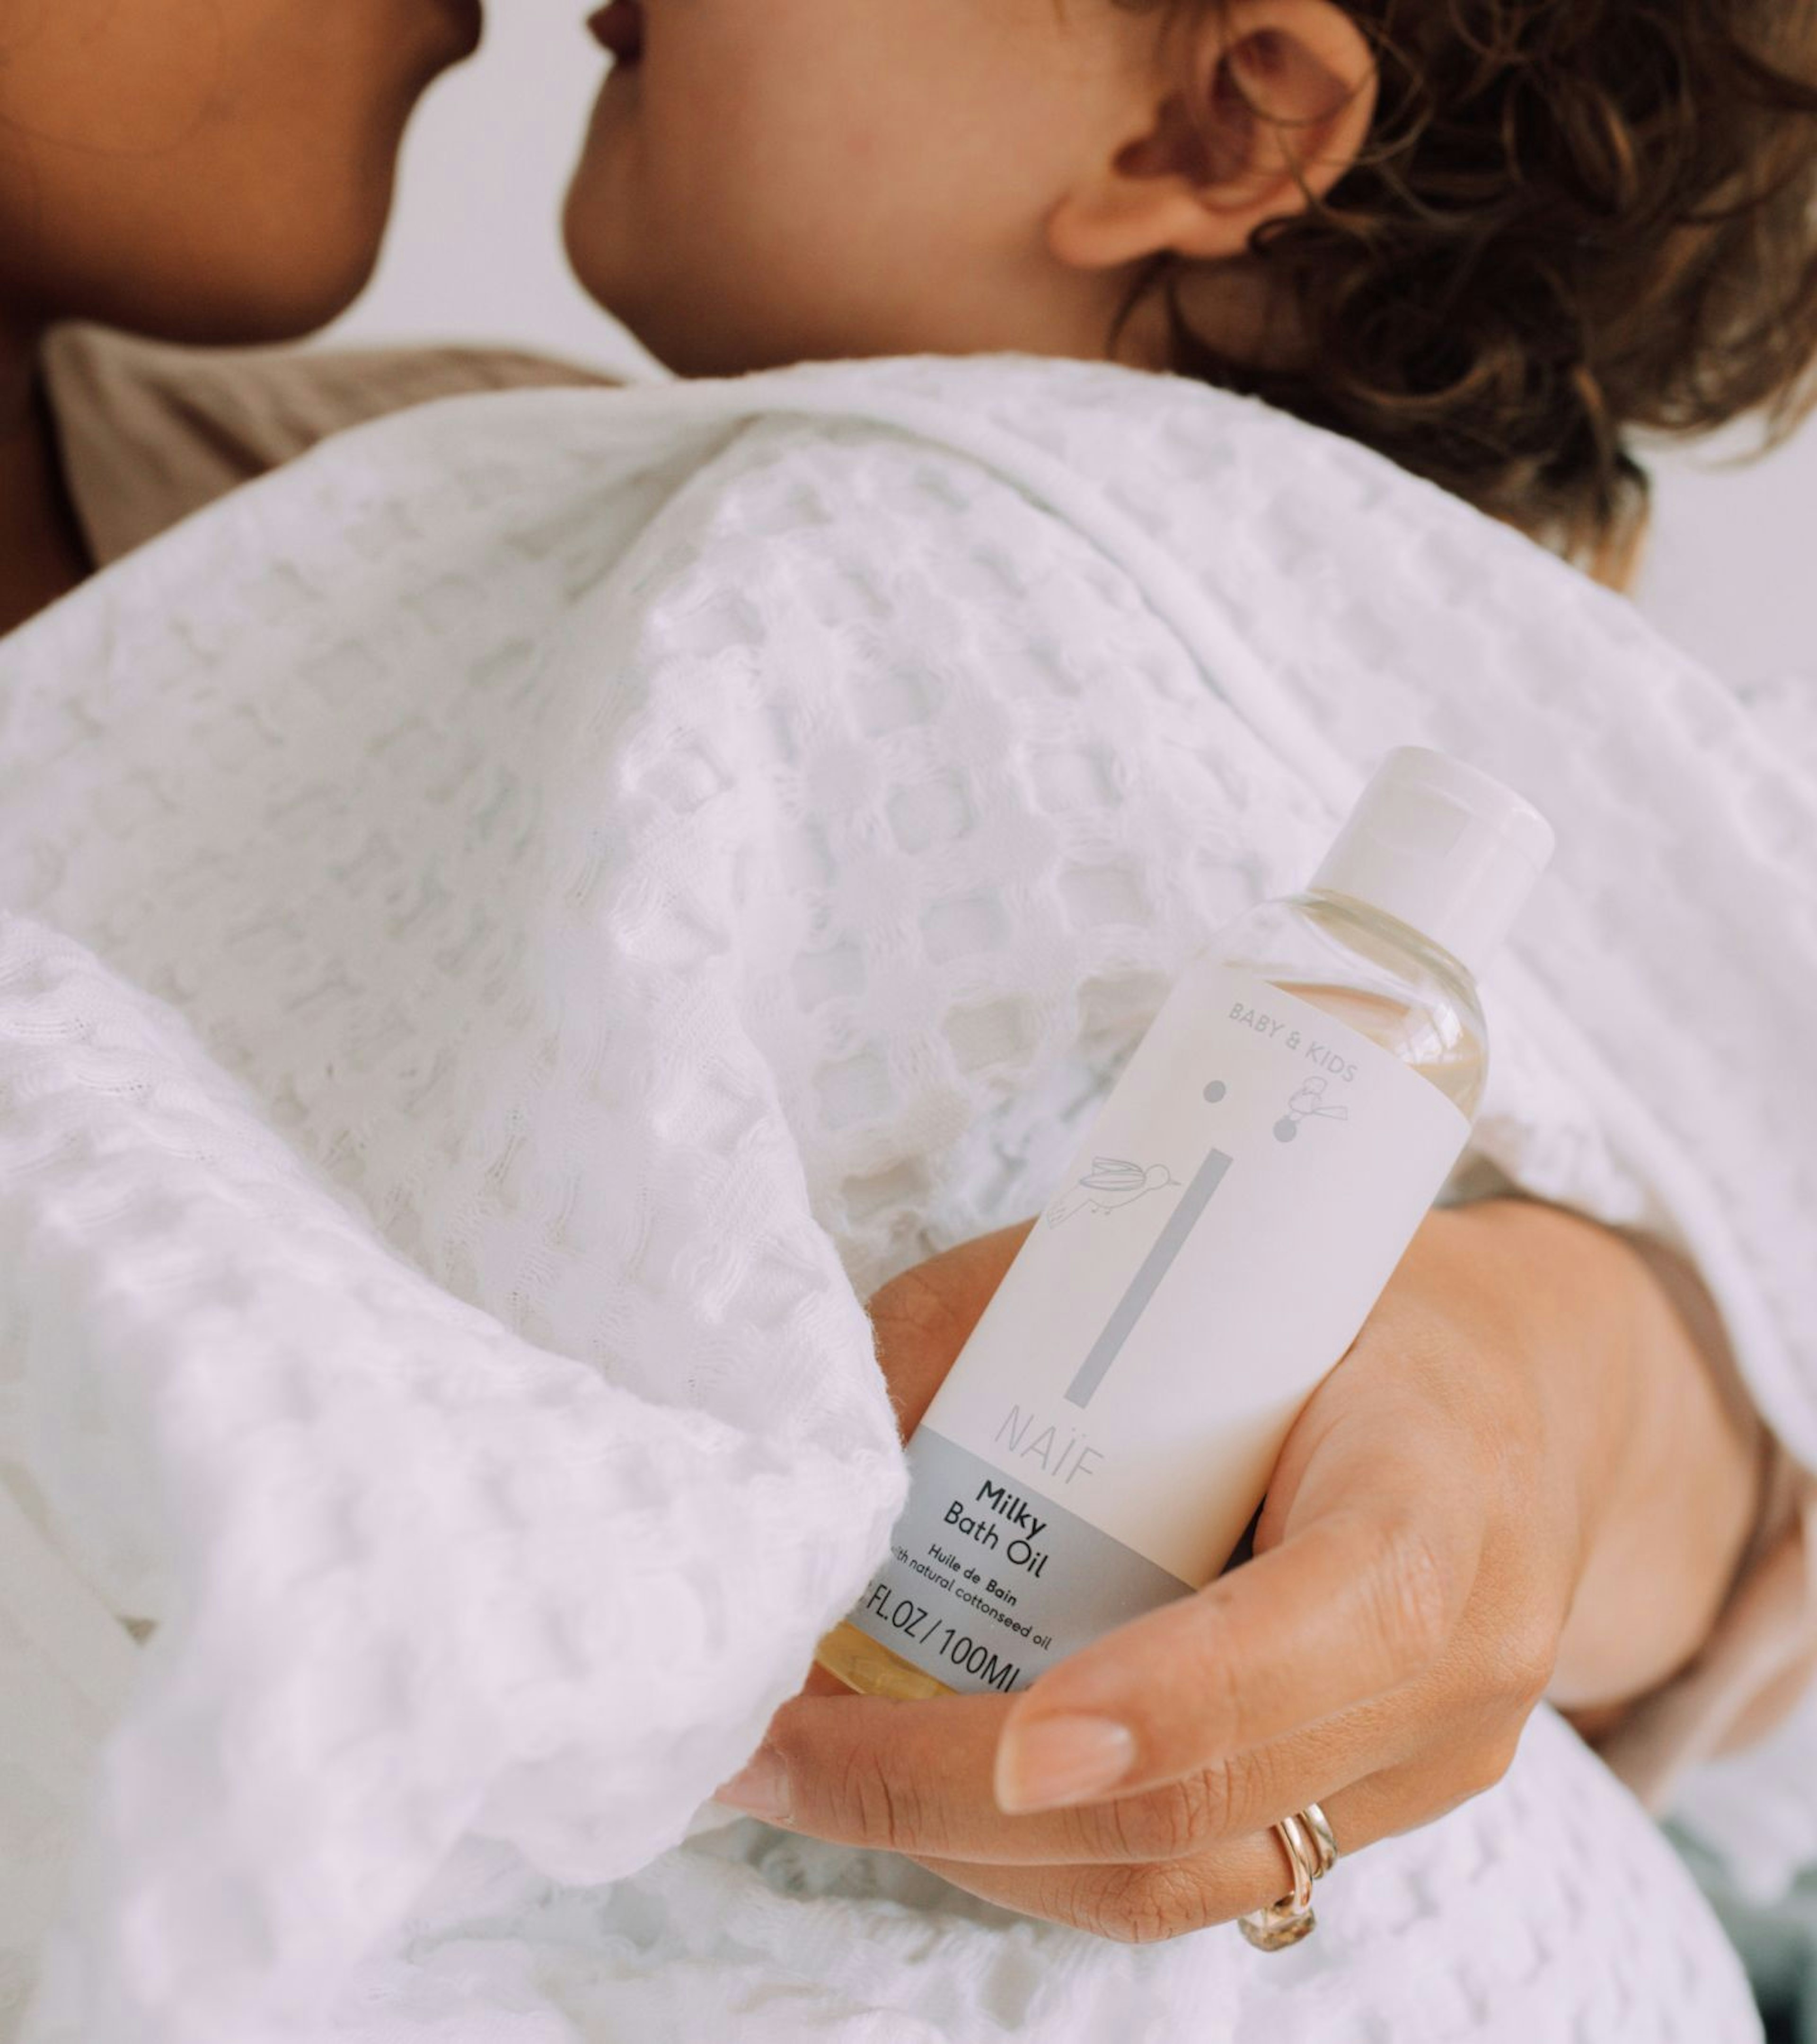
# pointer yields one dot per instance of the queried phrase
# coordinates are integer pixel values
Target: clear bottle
(1105, 1437)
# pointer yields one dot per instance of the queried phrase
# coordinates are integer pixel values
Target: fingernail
(1060, 1760)
(761, 1787)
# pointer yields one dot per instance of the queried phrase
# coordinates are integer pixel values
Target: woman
(219, 174)
(1728, 1493)
(187, 172)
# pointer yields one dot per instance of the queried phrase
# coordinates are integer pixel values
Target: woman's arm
(1521, 1481)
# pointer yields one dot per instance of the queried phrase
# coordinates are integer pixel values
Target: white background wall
(475, 252)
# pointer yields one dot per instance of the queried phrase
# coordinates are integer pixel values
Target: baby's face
(767, 180)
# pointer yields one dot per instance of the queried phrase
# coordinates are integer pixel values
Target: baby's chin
(601, 250)
(676, 327)
(696, 319)
(643, 266)
(619, 298)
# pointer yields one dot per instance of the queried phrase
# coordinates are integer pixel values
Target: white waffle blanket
(514, 926)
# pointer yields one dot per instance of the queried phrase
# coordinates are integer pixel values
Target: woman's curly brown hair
(1577, 221)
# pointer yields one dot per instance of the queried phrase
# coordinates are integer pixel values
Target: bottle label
(987, 1586)
(1108, 1432)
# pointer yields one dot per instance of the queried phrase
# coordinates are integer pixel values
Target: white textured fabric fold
(517, 923)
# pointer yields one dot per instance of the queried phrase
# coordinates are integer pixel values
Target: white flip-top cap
(1444, 847)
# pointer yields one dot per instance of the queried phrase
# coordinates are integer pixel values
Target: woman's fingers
(1142, 1903)
(916, 1778)
(1117, 1880)
(1145, 1901)
(1133, 1903)
(1361, 1599)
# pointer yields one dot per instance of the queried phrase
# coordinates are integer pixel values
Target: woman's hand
(1519, 1481)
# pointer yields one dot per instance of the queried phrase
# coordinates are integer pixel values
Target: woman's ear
(1259, 107)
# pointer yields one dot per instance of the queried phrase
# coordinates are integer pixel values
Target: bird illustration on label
(1112, 1183)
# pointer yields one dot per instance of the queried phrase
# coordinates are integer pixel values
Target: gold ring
(1318, 1826)
(1311, 1852)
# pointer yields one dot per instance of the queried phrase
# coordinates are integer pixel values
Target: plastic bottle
(1106, 1435)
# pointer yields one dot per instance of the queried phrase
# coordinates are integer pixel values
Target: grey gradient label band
(987, 1586)
(1142, 1286)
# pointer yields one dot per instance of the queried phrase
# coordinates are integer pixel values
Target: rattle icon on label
(1307, 1103)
